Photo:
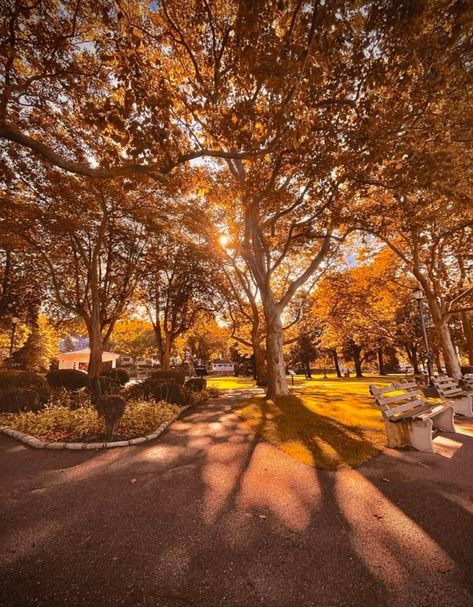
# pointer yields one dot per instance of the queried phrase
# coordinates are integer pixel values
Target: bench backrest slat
(398, 398)
(447, 386)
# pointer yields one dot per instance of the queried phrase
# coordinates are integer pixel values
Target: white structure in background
(223, 367)
(80, 359)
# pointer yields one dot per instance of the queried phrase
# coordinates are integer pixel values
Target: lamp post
(14, 321)
(418, 294)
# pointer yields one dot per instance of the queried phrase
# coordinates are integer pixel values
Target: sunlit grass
(231, 383)
(325, 423)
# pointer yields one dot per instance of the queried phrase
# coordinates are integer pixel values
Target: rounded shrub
(172, 375)
(69, 379)
(24, 379)
(111, 408)
(15, 400)
(119, 376)
(196, 384)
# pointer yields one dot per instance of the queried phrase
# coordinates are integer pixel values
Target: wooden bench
(451, 392)
(410, 419)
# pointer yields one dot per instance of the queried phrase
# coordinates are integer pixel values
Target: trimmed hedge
(15, 400)
(178, 377)
(69, 379)
(119, 376)
(24, 380)
(196, 384)
(156, 389)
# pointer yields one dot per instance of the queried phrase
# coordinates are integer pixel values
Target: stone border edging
(32, 441)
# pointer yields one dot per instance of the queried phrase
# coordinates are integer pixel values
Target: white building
(223, 367)
(80, 359)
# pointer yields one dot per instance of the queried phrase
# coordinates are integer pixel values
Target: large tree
(91, 248)
(180, 284)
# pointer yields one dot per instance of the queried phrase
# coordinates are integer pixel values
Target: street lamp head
(14, 320)
(418, 293)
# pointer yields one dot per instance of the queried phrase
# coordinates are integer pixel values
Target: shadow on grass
(312, 438)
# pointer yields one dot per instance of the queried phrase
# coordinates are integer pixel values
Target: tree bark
(95, 357)
(277, 383)
(440, 321)
(452, 364)
(357, 360)
(382, 370)
(438, 362)
(413, 358)
(261, 369)
(165, 353)
(336, 363)
(468, 333)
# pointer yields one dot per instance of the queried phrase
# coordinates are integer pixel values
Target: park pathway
(208, 515)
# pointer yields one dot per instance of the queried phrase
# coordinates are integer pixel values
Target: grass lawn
(230, 382)
(326, 423)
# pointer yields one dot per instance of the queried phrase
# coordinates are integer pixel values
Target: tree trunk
(438, 362)
(261, 370)
(165, 353)
(413, 358)
(443, 331)
(452, 364)
(336, 363)
(95, 358)
(357, 360)
(308, 372)
(468, 333)
(277, 383)
(382, 370)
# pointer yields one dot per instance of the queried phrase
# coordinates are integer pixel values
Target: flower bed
(56, 423)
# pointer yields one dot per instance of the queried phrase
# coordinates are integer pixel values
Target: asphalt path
(208, 515)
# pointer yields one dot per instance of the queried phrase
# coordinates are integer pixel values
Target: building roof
(83, 355)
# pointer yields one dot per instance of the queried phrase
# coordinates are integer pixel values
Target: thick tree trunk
(452, 364)
(336, 363)
(261, 370)
(443, 332)
(382, 370)
(277, 383)
(165, 353)
(357, 360)
(468, 333)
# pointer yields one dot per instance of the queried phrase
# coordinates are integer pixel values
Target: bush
(213, 392)
(111, 408)
(120, 377)
(19, 399)
(193, 397)
(466, 369)
(57, 423)
(178, 377)
(108, 385)
(196, 384)
(70, 379)
(26, 380)
(155, 389)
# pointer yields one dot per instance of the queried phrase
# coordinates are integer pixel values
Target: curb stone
(32, 441)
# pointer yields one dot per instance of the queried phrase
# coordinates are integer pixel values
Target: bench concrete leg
(420, 435)
(444, 421)
(397, 434)
(463, 405)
